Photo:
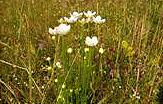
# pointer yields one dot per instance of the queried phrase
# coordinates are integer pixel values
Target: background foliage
(125, 78)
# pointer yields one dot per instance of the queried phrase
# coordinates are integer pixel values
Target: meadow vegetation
(113, 59)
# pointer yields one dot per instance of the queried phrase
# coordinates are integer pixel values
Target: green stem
(66, 78)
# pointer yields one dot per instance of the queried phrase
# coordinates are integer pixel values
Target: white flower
(76, 14)
(72, 19)
(91, 41)
(58, 64)
(101, 50)
(48, 58)
(98, 19)
(63, 29)
(89, 14)
(69, 50)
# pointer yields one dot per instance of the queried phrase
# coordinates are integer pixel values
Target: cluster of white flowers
(82, 17)
(88, 16)
(73, 17)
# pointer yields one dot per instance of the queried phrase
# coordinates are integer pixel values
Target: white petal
(93, 13)
(103, 20)
(66, 19)
(88, 41)
(98, 17)
(94, 40)
(91, 41)
(63, 29)
(52, 31)
(88, 38)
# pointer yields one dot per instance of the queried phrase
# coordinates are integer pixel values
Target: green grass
(122, 74)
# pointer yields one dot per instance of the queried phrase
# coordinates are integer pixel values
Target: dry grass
(25, 44)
